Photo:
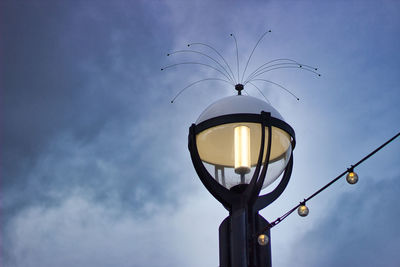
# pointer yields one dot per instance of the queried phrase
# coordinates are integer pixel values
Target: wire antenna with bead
(238, 80)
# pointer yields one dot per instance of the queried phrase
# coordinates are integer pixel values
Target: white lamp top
(235, 105)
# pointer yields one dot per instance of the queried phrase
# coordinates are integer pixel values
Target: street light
(240, 145)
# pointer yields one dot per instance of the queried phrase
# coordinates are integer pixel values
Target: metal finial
(239, 87)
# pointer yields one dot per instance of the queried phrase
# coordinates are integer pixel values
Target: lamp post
(240, 145)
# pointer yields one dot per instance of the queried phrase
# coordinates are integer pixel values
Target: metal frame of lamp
(239, 241)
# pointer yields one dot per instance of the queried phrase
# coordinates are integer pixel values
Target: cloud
(360, 228)
(67, 86)
(81, 232)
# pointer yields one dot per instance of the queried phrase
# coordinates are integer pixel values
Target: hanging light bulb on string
(263, 240)
(303, 210)
(352, 177)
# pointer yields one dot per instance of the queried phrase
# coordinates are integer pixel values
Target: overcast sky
(95, 169)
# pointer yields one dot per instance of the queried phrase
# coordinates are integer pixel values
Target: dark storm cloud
(72, 81)
(69, 73)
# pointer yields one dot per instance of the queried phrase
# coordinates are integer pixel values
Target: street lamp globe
(229, 140)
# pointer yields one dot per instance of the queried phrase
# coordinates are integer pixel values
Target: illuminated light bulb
(302, 210)
(263, 240)
(242, 150)
(352, 177)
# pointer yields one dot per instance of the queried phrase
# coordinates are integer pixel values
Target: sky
(94, 165)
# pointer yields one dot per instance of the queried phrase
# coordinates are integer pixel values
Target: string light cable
(351, 178)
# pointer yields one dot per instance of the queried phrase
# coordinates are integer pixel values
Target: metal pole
(238, 237)
(238, 246)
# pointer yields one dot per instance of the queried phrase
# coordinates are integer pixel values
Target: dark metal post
(238, 246)
(238, 237)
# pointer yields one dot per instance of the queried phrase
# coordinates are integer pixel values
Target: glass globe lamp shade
(229, 147)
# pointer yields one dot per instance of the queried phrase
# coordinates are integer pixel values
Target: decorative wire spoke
(200, 53)
(279, 59)
(219, 54)
(198, 63)
(247, 63)
(286, 67)
(277, 84)
(259, 90)
(196, 82)
(292, 64)
(237, 55)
